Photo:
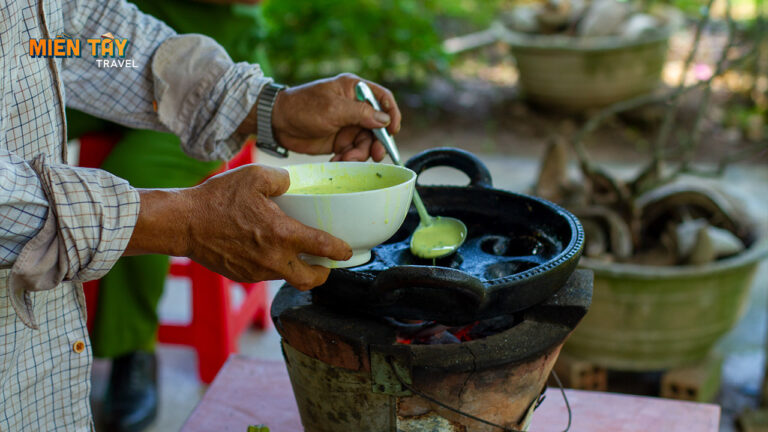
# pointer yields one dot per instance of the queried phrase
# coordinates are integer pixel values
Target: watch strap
(265, 138)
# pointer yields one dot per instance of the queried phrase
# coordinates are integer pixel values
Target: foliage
(383, 40)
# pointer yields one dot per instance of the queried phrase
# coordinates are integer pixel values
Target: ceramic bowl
(362, 203)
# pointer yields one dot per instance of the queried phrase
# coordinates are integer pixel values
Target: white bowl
(362, 203)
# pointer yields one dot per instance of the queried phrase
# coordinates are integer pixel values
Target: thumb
(272, 181)
(358, 113)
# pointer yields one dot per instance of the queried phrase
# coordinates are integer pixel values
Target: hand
(325, 117)
(229, 225)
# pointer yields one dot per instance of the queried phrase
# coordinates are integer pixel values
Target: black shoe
(131, 403)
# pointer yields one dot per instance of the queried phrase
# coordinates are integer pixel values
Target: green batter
(442, 237)
(344, 183)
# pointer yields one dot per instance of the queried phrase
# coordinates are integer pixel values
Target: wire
(565, 398)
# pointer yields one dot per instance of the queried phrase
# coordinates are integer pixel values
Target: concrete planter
(575, 75)
(653, 318)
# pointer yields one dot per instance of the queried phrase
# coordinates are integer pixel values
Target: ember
(433, 333)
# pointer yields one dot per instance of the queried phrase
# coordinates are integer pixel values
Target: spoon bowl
(443, 237)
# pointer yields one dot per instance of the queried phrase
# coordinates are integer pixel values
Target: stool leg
(210, 311)
(261, 318)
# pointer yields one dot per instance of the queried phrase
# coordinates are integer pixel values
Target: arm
(208, 100)
(59, 223)
(200, 94)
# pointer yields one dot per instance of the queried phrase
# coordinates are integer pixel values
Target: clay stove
(350, 374)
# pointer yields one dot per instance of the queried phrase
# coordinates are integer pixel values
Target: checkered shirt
(45, 372)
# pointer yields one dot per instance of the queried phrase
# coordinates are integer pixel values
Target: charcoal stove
(465, 344)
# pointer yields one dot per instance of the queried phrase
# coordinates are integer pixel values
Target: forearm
(163, 223)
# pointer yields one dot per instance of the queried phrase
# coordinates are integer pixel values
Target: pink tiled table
(248, 391)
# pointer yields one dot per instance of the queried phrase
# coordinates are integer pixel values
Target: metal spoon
(435, 237)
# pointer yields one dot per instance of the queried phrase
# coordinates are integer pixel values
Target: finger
(389, 105)
(378, 151)
(319, 243)
(361, 151)
(358, 113)
(271, 181)
(345, 139)
(304, 277)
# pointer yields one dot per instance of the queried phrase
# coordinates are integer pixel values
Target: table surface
(248, 391)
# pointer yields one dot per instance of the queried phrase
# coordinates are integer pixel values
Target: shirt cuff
(202, 95)
(90, 221)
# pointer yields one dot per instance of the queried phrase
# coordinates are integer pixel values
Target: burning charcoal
(430, 331)
(604, 18)
(442, 338)
(485, 328)
(411, 329)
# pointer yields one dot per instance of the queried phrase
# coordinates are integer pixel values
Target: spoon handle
(365, 94)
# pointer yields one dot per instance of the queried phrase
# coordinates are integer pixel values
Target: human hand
(325, 116)
(229, 225)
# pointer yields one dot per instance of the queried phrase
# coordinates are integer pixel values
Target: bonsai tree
(650, 218)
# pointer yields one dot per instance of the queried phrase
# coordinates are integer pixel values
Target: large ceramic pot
(654, 318)
(574, 75)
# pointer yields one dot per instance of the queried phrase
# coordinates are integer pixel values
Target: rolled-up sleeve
(95, 216)
(83, 220)
(185, 84)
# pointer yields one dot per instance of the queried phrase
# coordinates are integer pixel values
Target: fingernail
(381, 117)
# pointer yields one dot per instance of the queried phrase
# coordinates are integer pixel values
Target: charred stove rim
(482, 353)
(568, 306)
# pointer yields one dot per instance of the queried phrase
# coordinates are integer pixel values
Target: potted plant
(673, 261)
(575, 55)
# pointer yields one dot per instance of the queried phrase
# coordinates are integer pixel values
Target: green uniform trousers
(126, 317)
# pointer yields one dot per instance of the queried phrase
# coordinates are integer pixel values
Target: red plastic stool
(215, 325)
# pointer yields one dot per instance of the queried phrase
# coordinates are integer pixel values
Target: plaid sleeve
(23, 206)
(95, 216)
(203, 96)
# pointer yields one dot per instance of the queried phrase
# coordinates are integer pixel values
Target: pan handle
(397, 281)
(463, 161)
